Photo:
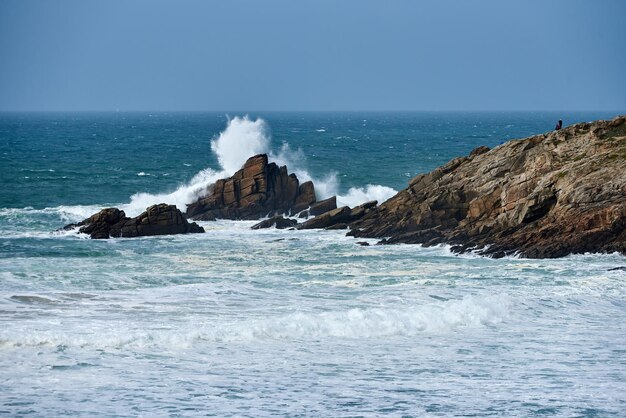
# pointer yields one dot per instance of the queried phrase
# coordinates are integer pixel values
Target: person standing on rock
(559, 125)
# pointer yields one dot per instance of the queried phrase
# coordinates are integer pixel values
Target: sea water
(276, 322)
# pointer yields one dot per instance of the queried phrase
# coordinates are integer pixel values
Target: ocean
(241, 322)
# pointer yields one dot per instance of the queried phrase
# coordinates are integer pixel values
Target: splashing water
(242, 139)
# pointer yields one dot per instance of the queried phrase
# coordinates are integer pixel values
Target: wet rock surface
(159, 219)
(277, 222)
(338, 218)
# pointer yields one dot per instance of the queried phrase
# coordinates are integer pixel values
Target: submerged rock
(257, 190)
(159, 219)
(545, 196)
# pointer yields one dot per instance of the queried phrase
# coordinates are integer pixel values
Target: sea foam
(470, 312)
(241, 139)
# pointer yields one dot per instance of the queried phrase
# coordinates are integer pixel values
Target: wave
(241, 139)
(358, 195)
(471, 312)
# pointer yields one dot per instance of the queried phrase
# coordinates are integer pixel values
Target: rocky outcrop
(323, 206)
(257, 190)
(545, 196)
(338, 218)
(277, 222)
(156, 220)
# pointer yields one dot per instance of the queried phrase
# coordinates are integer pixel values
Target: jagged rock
(277, 221)
(338, 218)
(159, 219)
(323, 206)
(330, 218)
(306, 197)
(257, 190)
(545, 196)
(359, 211)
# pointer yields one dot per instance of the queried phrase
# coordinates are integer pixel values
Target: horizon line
(303, 111)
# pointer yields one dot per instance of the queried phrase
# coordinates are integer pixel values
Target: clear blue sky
(312, 55)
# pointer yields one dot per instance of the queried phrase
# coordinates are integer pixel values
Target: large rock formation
(257, 190)
(545, 196)
(156, 220)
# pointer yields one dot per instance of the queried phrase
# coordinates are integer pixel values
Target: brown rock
(159, 219)
(323, 206)
(257, 190)
(277, 221)
(328, 219)
(306, 197)
(545, 196)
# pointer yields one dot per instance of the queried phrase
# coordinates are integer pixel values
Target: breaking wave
(243, 138)
(470, 312)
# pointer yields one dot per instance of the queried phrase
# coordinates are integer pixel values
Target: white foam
(357, 323)
(180, 197)
(358, 195)
(241, 139)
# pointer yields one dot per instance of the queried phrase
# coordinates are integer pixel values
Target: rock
(330, 218)
(479, 150)
(99, 225)
(323, 206)
(363, 243)
(257, 190)
(277, 221)
(338, 218)
(159, 219)
(306, 197)
(545, 196)
(359, 211)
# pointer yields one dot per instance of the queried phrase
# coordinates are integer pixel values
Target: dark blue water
(52, 159)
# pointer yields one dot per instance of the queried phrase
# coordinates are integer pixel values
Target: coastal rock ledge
(546, 196)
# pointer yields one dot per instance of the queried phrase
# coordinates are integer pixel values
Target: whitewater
(241, 322)
(242, 139)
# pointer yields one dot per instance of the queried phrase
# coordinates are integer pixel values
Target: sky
(251, 55)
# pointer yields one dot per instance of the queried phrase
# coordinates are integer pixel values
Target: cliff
(545, 196)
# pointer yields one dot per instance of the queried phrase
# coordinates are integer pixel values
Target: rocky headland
(545, 196)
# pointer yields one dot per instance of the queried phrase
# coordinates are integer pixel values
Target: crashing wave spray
(242, 139)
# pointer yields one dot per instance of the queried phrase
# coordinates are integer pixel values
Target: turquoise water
(255, 323)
